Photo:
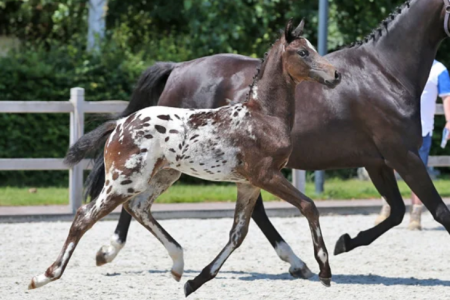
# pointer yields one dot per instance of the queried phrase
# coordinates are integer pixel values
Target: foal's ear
(288, 35)
(298, 32)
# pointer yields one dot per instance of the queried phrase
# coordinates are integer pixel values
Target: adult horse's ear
(288, 35)
(298, 32)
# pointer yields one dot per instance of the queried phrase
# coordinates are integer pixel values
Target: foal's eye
(303, 53)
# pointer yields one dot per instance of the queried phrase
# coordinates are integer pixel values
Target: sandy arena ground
(400, 265)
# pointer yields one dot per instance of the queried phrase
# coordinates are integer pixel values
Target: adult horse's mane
(378, 31)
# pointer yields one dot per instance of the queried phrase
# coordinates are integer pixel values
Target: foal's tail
(89, 143)
(147, 92)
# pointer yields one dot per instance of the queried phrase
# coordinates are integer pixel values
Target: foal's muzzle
(330, 79)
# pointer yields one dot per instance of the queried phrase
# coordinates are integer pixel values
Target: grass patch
(13, 196)
(179, 193)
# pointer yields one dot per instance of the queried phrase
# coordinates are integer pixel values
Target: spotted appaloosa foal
(247, 143)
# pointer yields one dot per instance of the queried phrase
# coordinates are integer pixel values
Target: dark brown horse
(371, 120)
(246, 143)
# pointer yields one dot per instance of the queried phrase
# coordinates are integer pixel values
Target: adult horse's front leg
(415, 174)
(298, 268)
(247, 195)
(281, 187)
(384, 180)
(107, 253)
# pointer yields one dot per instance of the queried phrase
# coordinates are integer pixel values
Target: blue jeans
(424, 151)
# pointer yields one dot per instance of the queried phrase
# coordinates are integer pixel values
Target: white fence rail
(77, 108)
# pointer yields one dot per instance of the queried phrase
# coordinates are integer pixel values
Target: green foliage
(41, 21)
(39, 74)
(204, 27)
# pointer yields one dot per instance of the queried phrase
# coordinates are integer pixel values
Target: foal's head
(302, 61)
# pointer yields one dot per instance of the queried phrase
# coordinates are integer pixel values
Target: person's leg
(384, 213)
(416, 204)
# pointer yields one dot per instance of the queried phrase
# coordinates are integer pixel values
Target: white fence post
(76, 131)
(299, 179)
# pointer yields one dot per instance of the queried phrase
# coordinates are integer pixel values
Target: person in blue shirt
(438, 84)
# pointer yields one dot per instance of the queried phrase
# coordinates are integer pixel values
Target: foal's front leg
(281, 187)
(298, 268)
(247, 195)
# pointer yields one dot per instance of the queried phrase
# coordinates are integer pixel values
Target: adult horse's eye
(303, 53)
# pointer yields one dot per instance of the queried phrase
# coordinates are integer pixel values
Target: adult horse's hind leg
(107, 253)
(85, 218)
(384, 180)
(247, 195)
(140, 208)
(298, 268)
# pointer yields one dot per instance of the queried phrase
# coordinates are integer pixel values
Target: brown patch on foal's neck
(275, 88)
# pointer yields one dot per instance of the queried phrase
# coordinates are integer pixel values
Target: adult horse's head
(302, 61)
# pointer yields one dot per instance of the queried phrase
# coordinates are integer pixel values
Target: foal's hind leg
(140, 209)
(298, 268)
(85, 218)
(247, 195)
(384, 180)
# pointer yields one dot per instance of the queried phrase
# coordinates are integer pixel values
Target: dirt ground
(400, 265)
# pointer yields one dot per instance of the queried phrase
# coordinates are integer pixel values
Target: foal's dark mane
(378, 31)
(258, 73)
(260, 69)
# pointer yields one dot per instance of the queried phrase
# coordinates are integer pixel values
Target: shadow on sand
(364, 279)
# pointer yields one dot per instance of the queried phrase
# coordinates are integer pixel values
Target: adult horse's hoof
(303, 273)
(341, 244)
(188, 289)
(325, 281)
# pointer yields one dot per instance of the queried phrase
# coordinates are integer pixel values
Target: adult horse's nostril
(337, 75)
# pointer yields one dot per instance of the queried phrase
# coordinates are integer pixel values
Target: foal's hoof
(303, 273)
(188, 288)
(341, 244)
(325, 281)
(38, 281)
(175, 275)
(106, 254)
(32, 285)
(100, 258)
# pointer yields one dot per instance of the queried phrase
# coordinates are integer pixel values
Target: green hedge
(39, 74)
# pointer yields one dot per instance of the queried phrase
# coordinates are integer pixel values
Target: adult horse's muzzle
(330, 79)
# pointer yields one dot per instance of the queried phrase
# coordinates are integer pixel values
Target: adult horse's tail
(89, 143)
(147, 92)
